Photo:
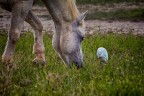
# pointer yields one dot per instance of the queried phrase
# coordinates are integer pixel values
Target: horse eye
(81, 38)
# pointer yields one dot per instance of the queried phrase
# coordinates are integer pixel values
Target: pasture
(123, 74)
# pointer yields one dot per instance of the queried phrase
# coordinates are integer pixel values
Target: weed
(123, 74)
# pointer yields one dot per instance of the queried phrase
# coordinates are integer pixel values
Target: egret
(102, 54)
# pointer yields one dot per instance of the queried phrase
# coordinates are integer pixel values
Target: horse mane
(73, 9)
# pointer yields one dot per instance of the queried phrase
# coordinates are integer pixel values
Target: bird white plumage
(102, 54)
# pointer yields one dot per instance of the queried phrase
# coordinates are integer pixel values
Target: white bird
(102, 54)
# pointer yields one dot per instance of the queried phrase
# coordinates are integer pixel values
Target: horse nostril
(78, 64)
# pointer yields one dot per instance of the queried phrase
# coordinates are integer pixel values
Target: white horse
(69, 29)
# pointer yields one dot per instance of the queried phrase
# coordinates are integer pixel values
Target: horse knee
(14, 36)
(40, 27)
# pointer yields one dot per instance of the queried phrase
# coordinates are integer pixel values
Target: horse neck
(62, 11)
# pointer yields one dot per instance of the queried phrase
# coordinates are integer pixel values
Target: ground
(104, 24)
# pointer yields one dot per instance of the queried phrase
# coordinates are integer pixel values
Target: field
(123, 75)
(131, 10)
(39, 2)
(106, 1)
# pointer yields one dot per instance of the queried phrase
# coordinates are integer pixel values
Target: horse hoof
(7, 61)
(41, 62)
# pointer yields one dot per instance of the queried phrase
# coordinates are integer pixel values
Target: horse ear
(81, 16)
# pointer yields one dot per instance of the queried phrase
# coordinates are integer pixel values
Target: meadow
(123, 75)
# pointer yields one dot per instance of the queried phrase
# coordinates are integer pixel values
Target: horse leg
(38, 47)
(19, 13)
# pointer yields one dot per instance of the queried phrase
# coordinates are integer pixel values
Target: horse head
(71, 38)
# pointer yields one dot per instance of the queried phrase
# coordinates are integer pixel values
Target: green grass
(120, 14)
(123, 74)
(106, 1)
